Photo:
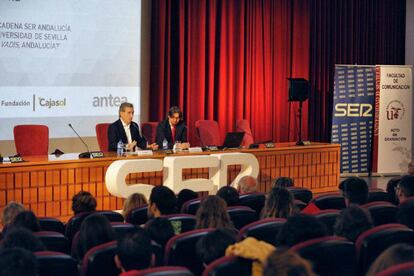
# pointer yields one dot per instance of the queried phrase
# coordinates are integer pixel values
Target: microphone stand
(82, 154)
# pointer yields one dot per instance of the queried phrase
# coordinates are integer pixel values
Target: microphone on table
(83, 154)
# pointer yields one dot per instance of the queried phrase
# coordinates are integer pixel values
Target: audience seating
(51, 224)
(264, 230)
(31, 139)
(376, 194)
(181, 222)
(256, 201)
(149, 131)
(329, 255)
(209, 133)
(180, 250)
(241, 215)
(229, 265)
(404, 269)
(102, 136)
(111, 215)
(244, 126)
(99, 260)
(299, 204)
(158, 252)
(371, 243)
(54, 241)
(138, 216)
(73, 225)
(302, 194)
(329, 201)
(121, 228)
(328, 217)
(51, 263)
(163, 271)
(191, 206)
(382, 212)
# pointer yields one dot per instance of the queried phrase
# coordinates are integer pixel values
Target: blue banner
(353, 116)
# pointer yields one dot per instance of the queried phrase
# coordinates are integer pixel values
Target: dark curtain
(228, 60)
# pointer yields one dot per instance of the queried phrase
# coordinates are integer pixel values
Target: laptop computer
(233, 140)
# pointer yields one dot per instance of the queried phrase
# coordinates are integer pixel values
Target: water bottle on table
(164, 144)
(120, 148)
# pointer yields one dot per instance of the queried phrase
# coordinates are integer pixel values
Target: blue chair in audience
(191, 206)
(229, 265)
(99, 260)
(181, 222)
(329, 201)
(371, 243)
(263, 230)
(329, 255)
(382, 212)
(180, 250)
(256, 201)
(300, 193)
(138, 216)
(54, 241)
(376, 194)
(163, 271)
(328, 217)
(73, 225)
(121, 228)
(51, 224)
(242, 215)
(50, 263)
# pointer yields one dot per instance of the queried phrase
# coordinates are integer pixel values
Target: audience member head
(213, 245)
(287, 263)
(160, 230)
(162, 201)
(282, 182)
(279, 203)
(352, 221)
(83, 202)
(396, 254)
(405, 188)
(229, 194)
(183, 196)
(95, 230)
(392, 189)
(17, 262)
(134, 200)
(247, 184)
(299, 228)
(355, 190)
(134, 251)
(23, 238)
(405, 213)
(10, 211)
(213, 214)
(26, 219)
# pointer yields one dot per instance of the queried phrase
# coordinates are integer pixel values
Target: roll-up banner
(393, 119)
(353, 116)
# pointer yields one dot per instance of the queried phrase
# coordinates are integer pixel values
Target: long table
(46, 184)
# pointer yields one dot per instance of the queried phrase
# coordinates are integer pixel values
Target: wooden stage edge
(46, 185)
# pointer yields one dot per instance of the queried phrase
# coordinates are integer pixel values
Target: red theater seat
(149, 130)
(328, 217)
(302, 194)
(244, 126)
(255, 201)
(55, 263)
(263, 230)
(99, 260)
(163, 271)
(404, 269)
(229, 265)
(54, 241)
(138, 215)
(329, 201)
(31, 139)
(51, 224)
(382, 212)
(242, 215)
(102, 136)
(181, 222)
(191, 206)
(209, 133)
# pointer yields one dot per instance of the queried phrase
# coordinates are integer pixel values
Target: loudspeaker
(298, 89)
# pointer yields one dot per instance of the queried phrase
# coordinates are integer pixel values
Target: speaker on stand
(299, 92)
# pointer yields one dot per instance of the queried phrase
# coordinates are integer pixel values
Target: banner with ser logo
(353, 115)
(393, 119)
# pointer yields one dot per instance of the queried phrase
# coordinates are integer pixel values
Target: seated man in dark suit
(127, 131)
(172, 129)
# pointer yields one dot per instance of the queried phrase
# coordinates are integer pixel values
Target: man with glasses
(172, 130)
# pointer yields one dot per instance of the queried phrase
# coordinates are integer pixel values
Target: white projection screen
(68, 61)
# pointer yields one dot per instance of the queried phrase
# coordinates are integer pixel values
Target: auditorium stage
(46, 185)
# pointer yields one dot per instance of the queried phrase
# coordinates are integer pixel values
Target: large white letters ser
(173, 167)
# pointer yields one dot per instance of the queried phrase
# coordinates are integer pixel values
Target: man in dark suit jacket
(127, 131)
(172, 125)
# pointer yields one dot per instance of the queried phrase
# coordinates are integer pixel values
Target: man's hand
(130, 146)
(153, 146)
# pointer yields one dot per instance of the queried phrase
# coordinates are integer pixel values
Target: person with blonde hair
(10, 211)
(213, 214)
(396, 254)
(279, 204)
(134, 200)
